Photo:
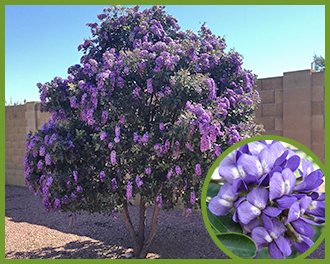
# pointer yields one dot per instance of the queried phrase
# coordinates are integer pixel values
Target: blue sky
(41, 41)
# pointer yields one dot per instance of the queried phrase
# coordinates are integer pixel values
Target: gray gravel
(31, 232)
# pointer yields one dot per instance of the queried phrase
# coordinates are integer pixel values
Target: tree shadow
(177, 236)
(72, 250)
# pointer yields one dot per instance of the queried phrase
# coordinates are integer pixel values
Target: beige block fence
(292, 106)
(19, 121)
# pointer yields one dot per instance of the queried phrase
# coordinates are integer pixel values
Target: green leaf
(213, 189)
(97, 147)
(223, 224)
(239, 244)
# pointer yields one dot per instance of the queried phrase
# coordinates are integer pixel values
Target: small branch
(142, 222)
(128, 222)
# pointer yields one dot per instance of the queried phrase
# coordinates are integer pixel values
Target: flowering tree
(269, 194)
(146, 112)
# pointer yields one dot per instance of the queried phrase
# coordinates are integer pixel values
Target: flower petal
(219, 206)
(236, 204)
(239, 185)
(229, 173)
(267, 159)
(274, 251)
(277, 148)
(266, 221)
(250, 180)
(305, 202)
(226, 192)
(272, 211)
(228, 160)
(258, 197)
(307, 167)
(264, 180)
(310, 183)
(256, 147)
(293, 163)
(317, 208)
(289, 180)
(247, 212)
(302, 244)
(285, 201)
(279, 161)
(303, 228)
(278, 227)
(283, 245)
(250, 226)
(294, 213)
(247, 164)
(276, 186)
(260, 236)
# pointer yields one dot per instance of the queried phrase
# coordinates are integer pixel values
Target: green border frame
(216, 164)
(146, 2)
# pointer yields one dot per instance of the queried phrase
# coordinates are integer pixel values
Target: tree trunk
(140, 245)
(152, 234)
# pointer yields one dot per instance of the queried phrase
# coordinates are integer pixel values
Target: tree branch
(128, 222)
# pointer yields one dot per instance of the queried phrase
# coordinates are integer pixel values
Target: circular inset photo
(264, 198)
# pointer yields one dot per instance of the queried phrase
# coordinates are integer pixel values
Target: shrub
(146, 112)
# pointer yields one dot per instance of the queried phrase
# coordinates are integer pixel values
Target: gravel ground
(31, 232)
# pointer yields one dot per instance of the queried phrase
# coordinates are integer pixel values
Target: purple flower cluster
(138, 181)
(145, 97)
(274, 199)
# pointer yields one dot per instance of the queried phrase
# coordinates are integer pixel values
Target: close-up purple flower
(273, 194)
(223, 203)
(271, 237)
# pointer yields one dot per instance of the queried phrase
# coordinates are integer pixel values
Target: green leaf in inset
(213, 189)
(239, 244)
(224, 224)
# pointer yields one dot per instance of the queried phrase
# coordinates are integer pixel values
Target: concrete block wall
(15, 131)
(270, 111)
(19, 121)
(293, 106)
